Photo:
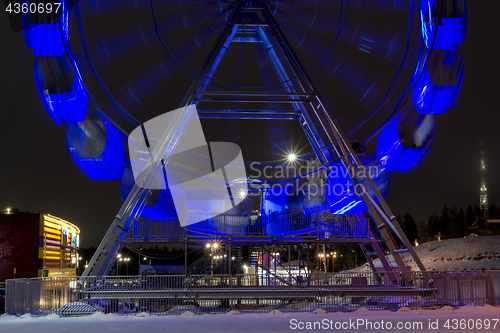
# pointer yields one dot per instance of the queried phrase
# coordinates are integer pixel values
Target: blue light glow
(46, 34)
(61, 89)
(451, 24)
(97, 148)
(341, 196)
(394, 156)
(437, 85)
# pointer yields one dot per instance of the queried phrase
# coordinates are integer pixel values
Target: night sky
(37, 174)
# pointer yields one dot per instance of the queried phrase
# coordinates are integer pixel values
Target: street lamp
(213, 246)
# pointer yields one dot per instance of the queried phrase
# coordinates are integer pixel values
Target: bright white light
(292, 157)
(245, 266)
(8, 210)
(215, 245)
(207, 246)
(242, 194)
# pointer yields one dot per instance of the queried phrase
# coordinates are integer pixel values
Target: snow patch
(404, 309)
(320, 311)
(446, 309)
(188, 314)
(276, 313)
(98, 315)
(233, 313)
(489, 307)
(143, 314)
(361, 310)
(51, 316)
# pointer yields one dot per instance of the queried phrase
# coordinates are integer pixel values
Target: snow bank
(243, 323)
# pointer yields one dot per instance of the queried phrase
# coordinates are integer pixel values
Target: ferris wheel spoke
(386, 43)
(163, 66)
(146, 83)
(363, 4)
(88, 7)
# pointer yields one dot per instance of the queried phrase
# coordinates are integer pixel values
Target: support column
(275, 261)
(185, 257)
(230, 261)
(317, 258)
(308, 268)
(268, 280)
(289, 266)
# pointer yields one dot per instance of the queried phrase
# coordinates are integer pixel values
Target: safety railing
(275, 224)
(174, 294)
(157, 229)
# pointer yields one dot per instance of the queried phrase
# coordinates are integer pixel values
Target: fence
(274, 224)
(174, 294)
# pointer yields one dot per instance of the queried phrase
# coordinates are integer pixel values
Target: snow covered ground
(471, 253)
(464, 319)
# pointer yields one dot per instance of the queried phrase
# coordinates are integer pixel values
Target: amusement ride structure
(364, 79)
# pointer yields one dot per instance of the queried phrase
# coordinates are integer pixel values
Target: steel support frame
(323, 132)
(104, 257)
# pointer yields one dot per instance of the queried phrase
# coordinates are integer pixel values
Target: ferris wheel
(372, 72)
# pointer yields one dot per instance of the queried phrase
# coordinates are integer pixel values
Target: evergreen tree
(422, 231)
(454, 224)
(469, 219)
(444, 221)
(402, 224)
(461, 218)
(410, 227)
(478, 213)
(433, 226)
(493, 212)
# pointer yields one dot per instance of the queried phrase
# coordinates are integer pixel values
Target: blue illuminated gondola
(97, 147)
(61, 89)
(438, 82)
(343, 198)
(444, 23)
(46, 33)
(403, 143)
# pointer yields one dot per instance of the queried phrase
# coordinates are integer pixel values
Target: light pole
(126, 261)
(213, 250)
(139, 262)
(119, 256)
